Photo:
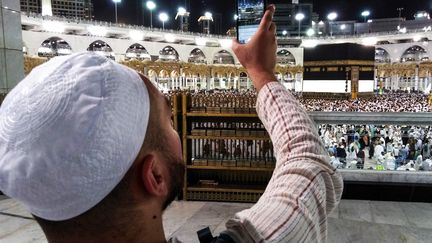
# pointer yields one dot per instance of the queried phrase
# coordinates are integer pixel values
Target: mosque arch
(54, 46)
(414, 54)
(223, 57)
(138, 52)
(164, 74)
(168, 53)
(152, 73)
(197, 56)
(382, 56)
(102, 48)
(174, 74)
(285, 57)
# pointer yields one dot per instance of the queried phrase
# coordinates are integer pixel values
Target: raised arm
(304, 187)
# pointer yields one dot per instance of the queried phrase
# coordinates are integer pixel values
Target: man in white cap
(87, 146)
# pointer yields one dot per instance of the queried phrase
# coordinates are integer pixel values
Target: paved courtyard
(353, 221)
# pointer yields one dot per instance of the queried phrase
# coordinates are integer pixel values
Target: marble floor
(353, 221)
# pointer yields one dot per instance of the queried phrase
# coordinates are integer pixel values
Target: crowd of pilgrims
(388, 102)
(385, 147)
(381, 147)
(400, 101)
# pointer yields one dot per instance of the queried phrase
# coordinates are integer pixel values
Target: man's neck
(130, 227)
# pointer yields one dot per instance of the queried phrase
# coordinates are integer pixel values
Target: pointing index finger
(267, 19)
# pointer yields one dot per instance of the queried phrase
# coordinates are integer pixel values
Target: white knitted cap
(69, 132)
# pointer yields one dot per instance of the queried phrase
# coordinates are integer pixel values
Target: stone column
(298, 82)
(208, 81)
(11, 45)
(386, 84)
(423, 83)
(395, 80)
(376, 78)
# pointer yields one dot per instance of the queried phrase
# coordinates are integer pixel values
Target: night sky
(131, 11)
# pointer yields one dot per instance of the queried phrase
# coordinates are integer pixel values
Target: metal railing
(110, 24)
(144, 28)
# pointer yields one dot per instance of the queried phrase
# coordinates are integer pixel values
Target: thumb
(236, 47)
(235, 44)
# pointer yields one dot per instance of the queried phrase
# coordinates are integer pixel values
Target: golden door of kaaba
(355, 75)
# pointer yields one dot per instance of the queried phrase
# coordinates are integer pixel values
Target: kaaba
(339, 68)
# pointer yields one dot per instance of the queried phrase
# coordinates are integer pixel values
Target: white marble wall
(11, 57)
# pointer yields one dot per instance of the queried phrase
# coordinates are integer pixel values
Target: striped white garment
(304, 187)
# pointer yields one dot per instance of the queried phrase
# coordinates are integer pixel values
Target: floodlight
(332, 16)
(151, 5)
(163, 17)
(208, 15)
(181, 11)
(299, 17)
(365, 13)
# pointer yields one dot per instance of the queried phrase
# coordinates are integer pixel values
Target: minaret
(205, 22)
(46, 8)
(183, 18)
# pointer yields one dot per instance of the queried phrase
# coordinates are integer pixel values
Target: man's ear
(153, 176)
